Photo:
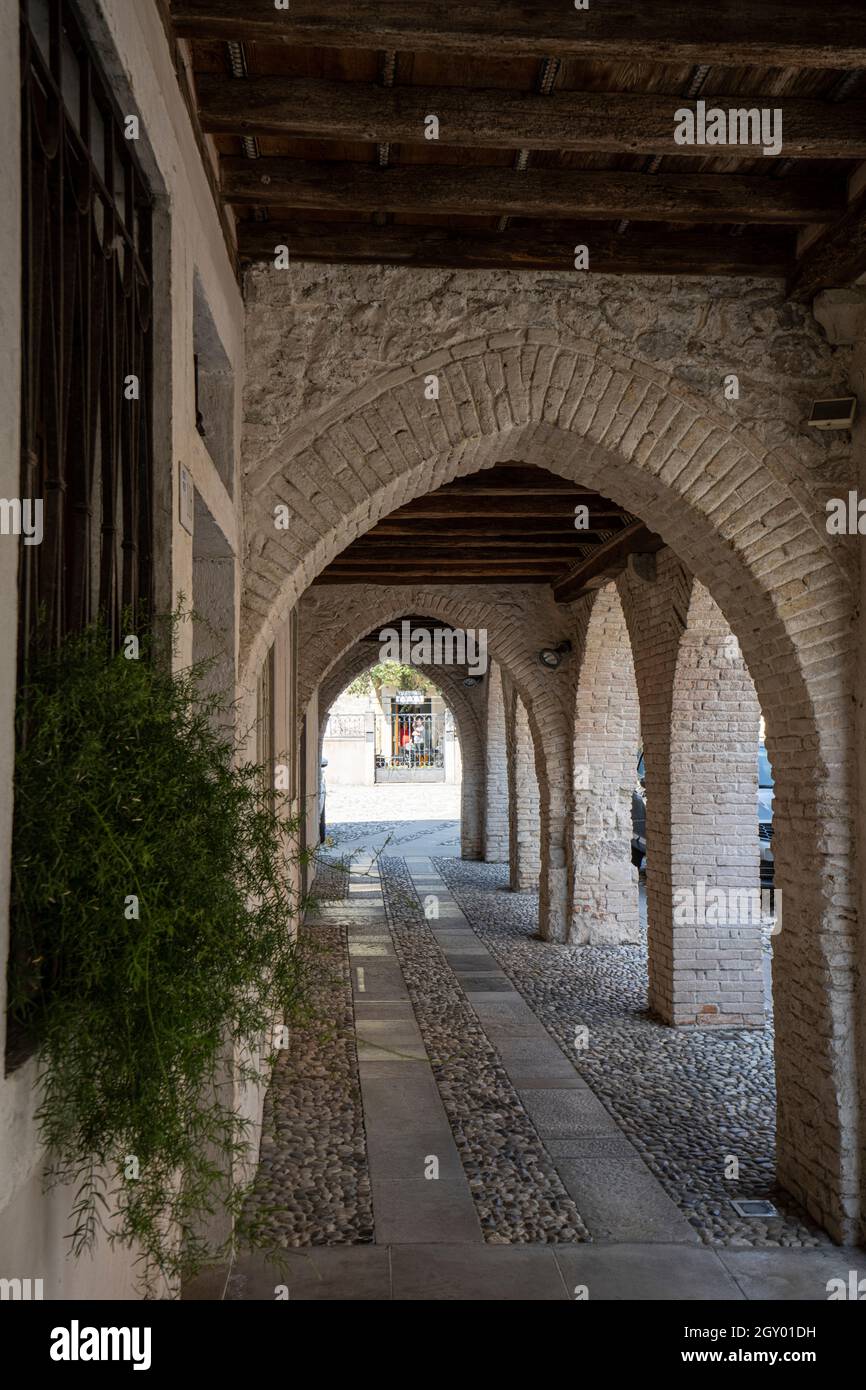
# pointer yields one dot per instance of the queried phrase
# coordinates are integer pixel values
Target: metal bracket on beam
(643, 567)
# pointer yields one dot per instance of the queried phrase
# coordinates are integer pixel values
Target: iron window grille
(87, 352)
(87, 378)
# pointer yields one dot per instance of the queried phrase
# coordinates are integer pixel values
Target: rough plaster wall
(131, 44)
(606, 738)
(496, 770)
(321, 331)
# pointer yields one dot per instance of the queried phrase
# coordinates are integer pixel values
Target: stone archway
(741, 512)
(331, 618)
(467, 718)
(606, 738)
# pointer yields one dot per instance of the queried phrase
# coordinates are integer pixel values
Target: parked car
(765, 816)
(322, 792)
(638, 818)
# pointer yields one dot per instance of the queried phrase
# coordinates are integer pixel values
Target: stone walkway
(494, 1169)
(699, 1104)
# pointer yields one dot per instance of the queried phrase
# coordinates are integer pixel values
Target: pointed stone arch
(467, 718)
(742, 514)
(332, 617)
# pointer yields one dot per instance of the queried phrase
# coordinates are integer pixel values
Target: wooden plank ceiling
(556, 129)
(511, 524)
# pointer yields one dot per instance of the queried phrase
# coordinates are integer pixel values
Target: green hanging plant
(152, 939)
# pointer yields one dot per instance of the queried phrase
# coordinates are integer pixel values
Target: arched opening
(403, 743)
(647, 444)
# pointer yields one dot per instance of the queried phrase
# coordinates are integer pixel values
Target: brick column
(496, 828)
(606, 741)
(699, 720)
(715, 858)
(523, 799)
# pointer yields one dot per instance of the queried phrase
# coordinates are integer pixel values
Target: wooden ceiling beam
(397, 547)
(836, 258)
(548, 194)
(466, 529)
(738, 33)
(607, 123)
(570, 491)
(436, 507)
(392, 577)
(641, 251)
(559, 557)
(606, 561)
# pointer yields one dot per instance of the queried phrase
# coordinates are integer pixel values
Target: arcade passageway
(479, 439)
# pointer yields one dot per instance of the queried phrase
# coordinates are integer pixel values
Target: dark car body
(638, 818)
(765, 817)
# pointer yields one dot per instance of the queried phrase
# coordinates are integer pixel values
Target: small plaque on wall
(187, 500)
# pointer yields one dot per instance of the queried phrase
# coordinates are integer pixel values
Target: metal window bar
(86, 445)
(411, 741)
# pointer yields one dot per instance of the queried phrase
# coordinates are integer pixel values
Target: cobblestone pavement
(388, 816)
(690, 1100)
(332, 878)
(516, 1189)
(312, 1185)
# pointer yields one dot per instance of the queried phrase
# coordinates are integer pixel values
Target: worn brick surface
(617, 384)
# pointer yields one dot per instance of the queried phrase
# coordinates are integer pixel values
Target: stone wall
(189, 256)
(606, 740)
(524, 829)
(496, 769)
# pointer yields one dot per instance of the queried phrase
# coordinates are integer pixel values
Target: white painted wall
(187, 240)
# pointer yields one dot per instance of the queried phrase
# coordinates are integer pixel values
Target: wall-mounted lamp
(552, 657)
(837, 414)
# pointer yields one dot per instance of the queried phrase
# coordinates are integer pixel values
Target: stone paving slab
(562, 1114)
(392, 1038)
(403, 1111)
(399, 1096)
(409, 1211)
(495, 1273)
(486, 984)
(796, 1275)
(360, 1273)
(465, 962)
(618, 1196)
(662, 1273)
(504, 1018)
(405, 1155)
(526, 1059)
(381, 979)
(467, 1272)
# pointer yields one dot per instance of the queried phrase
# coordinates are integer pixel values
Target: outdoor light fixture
(471, 681)
(835, 414)
(551, 657)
